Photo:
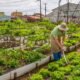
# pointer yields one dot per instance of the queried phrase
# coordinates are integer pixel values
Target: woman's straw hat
(63, 27)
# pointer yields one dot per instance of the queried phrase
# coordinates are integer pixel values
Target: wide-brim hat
(63, 27)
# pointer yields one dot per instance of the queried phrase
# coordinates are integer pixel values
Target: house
(24, 17)
(72, 14)
(33, 18)
(2, 13)
(30, 18)
(16, 14)
(38, 15)
(5, 18)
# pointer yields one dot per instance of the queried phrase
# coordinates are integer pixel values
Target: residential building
(33, 18)
(38, 15)
(73, 13)
(5, 18)
(2, 13)
(16, 14)
(30, 18)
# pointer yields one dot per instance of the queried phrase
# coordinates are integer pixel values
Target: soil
(78, 50)
(8, 44)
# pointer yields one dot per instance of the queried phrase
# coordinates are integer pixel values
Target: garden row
(59, 71)
(14, 58)
(34, 34)
(11, 59)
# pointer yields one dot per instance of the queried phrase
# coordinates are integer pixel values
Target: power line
(13, 3)
(20, 1)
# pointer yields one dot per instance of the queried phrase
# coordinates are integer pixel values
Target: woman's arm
(62, 40)
(58, 43)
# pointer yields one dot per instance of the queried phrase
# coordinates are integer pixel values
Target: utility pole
(58, 15)
(45, 9)
(40, 10)
(68, 11)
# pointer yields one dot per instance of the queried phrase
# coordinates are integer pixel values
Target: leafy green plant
(1, 71)
(53, 66)
(13, 63)
(45, 73)
(36, 77)
(31, 56)
(2, 61)
(69, 77)
(76, 77)
(76, 72)
(66, 70)
(75, 62)
(57, 75)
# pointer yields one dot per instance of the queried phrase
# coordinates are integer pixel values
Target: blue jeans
(57, 56)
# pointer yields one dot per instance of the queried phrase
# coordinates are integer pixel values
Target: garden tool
(65, 58)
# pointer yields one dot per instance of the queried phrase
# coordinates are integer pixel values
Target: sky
(29, 6)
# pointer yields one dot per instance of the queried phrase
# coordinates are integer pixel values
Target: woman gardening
(58, 35)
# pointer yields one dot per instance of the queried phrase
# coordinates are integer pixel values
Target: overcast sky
(29, 6)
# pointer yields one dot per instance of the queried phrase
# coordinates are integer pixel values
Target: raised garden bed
(11, 59)
(59, 70)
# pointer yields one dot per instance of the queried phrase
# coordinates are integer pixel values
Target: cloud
(29, 6)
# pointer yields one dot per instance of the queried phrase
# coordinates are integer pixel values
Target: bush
(45, 73)
(36, 77)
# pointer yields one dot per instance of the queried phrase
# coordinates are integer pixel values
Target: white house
(74, 15)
